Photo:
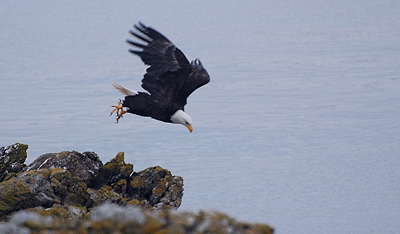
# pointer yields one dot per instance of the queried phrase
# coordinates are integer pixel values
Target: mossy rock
(106, 193)
(12, 160)
(49, 183)
(112, 172)
(44, 188)
(151, 181)
(30, 189)
(83, 165)
(78, 194)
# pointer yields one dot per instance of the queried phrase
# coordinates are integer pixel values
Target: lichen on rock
(157, 187)
(41, 188)
(12, 160)
(70, 178)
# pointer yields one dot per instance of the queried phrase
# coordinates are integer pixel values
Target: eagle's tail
(124, 91)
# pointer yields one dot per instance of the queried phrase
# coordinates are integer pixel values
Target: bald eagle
(169, 80)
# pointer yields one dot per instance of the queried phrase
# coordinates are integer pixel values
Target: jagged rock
(12, 160)
(70, 178)
(112, 172)
(84, 166)
(156, 187)
(153, 187)
(42, 188)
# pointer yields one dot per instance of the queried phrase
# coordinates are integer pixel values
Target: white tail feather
(123, 90)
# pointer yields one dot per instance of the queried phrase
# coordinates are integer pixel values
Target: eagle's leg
(118, 110)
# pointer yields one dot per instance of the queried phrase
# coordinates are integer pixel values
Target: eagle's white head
(180, 117)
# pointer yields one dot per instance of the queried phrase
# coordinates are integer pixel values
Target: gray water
(298, 128)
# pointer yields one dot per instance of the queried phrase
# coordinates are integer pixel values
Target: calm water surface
(299, 127)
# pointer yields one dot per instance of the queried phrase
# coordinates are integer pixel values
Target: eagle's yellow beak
(189, 127)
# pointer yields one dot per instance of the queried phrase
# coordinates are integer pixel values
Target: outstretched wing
(197, 78)
(169, 67)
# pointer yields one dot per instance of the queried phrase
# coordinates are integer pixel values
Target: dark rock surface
(113, 172)
(156, 187)
(84, 166)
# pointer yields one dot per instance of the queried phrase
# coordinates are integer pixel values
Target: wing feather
(197, 78)
(169, 68)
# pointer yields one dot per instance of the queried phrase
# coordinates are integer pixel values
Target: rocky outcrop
(74, 191)
(57, 181)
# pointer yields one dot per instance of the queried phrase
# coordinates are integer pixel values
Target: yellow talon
(118, 110)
